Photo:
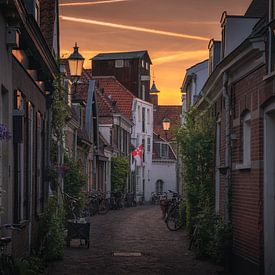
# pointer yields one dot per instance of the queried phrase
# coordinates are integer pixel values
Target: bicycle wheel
(103, 207)
(173, 220)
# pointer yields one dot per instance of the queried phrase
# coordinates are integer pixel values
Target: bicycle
(175, 217)
(97, 204)
(7, 264)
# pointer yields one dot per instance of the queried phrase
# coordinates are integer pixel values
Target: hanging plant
(5, 134)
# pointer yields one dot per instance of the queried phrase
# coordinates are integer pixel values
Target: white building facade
(142, 134)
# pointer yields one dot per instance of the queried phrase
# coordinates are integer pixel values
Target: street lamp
(166, 123)
(76, 61)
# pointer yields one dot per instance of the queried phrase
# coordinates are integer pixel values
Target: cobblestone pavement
(138, 229)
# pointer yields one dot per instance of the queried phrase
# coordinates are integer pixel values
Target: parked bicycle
(129, 200)
(174, 215)
(7, 264)
(97, 204)
(116, 201)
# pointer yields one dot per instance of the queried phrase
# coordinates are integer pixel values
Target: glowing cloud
(185, 55)
(132, 28)
(91, 3)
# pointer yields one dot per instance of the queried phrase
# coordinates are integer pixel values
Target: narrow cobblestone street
(139, 229)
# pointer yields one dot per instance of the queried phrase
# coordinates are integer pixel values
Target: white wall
(165, 171)
(144, 171)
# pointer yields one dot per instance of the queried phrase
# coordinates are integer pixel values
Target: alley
(139, 229)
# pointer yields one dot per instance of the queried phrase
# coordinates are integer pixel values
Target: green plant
(196, 142)
(60, 109)
(119, 173)
(74, 182)
(51, 232)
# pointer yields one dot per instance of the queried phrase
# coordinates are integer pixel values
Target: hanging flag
(137, 153)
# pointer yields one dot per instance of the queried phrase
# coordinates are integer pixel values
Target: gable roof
(173, 112)
(121, 55)
(112, 88)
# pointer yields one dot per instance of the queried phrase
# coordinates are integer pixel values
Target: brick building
(239, 93)
(29, 48)
(131, 69)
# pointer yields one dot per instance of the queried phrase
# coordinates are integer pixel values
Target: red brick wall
(247, 185)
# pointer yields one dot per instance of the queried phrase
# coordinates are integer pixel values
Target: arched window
(246, 129)
(159, 186)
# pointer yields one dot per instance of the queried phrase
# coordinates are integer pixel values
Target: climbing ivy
(119, 173)
(60, 109)
(196, 143)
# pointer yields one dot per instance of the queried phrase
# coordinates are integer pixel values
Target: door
(269, 192)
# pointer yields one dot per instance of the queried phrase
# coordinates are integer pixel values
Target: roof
(258, 8)
(173, 112)
(47, 20)
(106, 106)
(121, 55)
(116, 92)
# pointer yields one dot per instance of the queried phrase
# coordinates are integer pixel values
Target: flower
(4, 132)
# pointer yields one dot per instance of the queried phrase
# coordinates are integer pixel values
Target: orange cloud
(91, 3)
(132, 28)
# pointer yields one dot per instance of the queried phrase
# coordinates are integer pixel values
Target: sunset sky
(175, 32)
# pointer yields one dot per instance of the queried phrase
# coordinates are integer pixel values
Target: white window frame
(142, 63)
(119, 63)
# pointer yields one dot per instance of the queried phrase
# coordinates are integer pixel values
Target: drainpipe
(227, 161)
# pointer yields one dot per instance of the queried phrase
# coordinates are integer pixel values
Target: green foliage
(196, 143)
(60, 108)
(51, 232)
(119, 173)
(32, 265)
(213, 238)
(74, 182)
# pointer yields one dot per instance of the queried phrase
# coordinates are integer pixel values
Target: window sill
(243, 166)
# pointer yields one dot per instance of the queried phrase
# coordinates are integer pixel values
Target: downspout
(227, 161)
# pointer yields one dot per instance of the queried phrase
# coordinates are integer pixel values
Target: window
(143, 153)
(143, 92)
(119, 63)
(39, 156)
(246, 139)
(30, 159)
(148, 116)
(148, 145)
(164, 150)
(159, 186)
(139, 114)
(147, 66)
(143, 120)
(126, 63)
(142, 63)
